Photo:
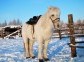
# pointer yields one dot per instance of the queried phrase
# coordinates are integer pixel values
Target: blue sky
(25, 9)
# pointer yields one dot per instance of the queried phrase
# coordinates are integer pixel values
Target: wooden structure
(18, 32)
(10, 31)
(72, 35)
(1, 33)
(72, 38)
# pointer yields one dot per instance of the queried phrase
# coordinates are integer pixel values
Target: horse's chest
(47, 34)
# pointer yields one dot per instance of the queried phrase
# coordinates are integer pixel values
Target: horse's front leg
(45, 50)
(40, 50)
(31, 42)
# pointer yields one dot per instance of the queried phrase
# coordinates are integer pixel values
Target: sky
(25, 9)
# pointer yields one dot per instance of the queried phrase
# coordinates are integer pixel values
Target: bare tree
(5, 23)
(18, 22)
(0, 24)
(79, 22)
(14, 22)
(10, 23)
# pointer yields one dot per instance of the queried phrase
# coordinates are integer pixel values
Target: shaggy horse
(43, 30)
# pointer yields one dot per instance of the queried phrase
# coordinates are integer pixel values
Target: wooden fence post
(59, 32)
(2, 33)
(72, 37)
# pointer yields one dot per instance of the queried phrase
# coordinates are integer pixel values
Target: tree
(61, 23)
(82, 21)
(0, 24)
(79, 22)
(10, 23)
(18, 22)
(5, 23)
(14, 22)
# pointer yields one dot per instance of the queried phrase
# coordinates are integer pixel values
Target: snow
(12, 26)
(12, 50)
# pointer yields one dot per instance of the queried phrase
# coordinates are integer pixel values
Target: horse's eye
(52, 15)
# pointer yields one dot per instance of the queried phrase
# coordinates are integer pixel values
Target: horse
(43, 31)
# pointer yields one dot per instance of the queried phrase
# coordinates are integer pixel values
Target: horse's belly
(27, 31)
(43, 35)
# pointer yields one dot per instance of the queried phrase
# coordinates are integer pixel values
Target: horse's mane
(33, 20)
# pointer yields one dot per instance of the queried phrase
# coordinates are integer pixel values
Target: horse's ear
(49, 8)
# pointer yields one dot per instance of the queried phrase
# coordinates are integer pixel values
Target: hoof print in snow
(41, 60)
(46, 59)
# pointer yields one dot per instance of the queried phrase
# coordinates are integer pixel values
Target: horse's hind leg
(31, 42)
(26, 47)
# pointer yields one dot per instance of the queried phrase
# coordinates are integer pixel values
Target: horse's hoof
(46, 59)
(41, 60)
(33, 57)
(27, 57)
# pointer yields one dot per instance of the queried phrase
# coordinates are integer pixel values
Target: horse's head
(54, 15)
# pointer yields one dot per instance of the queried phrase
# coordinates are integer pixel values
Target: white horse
(42, 33)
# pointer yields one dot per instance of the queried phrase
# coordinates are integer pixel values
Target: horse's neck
(46, 22)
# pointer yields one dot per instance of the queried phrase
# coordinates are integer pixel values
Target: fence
(72, 35)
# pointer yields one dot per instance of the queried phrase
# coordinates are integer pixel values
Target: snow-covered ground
(11, 50)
